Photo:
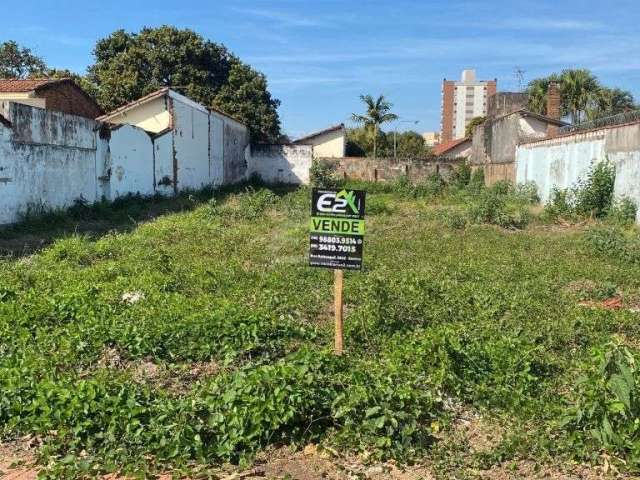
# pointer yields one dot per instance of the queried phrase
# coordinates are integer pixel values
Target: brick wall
(68, 98)
(382, 170)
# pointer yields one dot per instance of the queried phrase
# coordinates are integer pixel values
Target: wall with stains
(288, 164)
(47, 160)
(562, 161)
(130, 162)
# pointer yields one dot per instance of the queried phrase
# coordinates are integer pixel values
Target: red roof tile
(445, 147)
(27, 85)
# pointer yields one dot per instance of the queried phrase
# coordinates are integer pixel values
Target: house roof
(160, 93)
(15, 85)
(443, 148)
(128, 106)
(12, 85)
(542, 118)
(333, 128)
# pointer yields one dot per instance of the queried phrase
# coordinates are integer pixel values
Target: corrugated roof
(317, 134)
(12, 85)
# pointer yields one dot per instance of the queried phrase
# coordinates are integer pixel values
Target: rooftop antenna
(519, 74)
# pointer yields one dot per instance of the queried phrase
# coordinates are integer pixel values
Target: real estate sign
(337, 229)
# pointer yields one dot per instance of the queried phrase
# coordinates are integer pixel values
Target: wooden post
(337, 305)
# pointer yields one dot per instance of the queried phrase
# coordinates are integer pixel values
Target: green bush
(323, 174)
(594, 195)
(476, 183)
(623, 211)
(614, 242)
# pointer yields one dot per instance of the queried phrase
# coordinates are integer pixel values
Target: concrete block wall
(562, 161)
(381, 170)
(288, 164)
(49, 160)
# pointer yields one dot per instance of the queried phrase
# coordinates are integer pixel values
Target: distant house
(328, 143)
(508, 124)
(61, 95)
(460, 148)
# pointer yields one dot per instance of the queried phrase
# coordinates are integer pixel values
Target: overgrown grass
(460, 302)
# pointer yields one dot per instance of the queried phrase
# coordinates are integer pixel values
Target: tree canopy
(130, 65)
(19, 62)
(409, 144)
(583, 97)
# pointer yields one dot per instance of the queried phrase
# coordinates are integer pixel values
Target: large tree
(245, 95)
(130, 65)
(582, 96)
(19, 62)
(378, 111)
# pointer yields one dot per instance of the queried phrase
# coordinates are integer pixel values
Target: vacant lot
(201, 338)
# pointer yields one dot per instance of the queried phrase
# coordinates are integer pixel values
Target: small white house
(328, 143)
(186, 146)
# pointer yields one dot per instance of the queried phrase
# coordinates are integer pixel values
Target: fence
(386, 169)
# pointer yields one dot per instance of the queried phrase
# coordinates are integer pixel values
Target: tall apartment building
(461, 101)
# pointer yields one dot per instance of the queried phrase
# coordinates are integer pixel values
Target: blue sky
(319, 56)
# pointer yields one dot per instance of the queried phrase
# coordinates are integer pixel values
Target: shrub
(526, 192)
(461, 176)
(593, 196)
(476, 183)
(615, 243)
(488, 209)
(623, 211)
(323, 175)
(502, 187)
(560, 204)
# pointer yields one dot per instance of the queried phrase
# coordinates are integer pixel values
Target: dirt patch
(176, 379)
(316, 463)
(17, 460)
(478, 433)
(528, 469)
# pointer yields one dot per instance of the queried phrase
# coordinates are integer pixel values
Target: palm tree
(378, 112)
(610, 101)
(578, 89)
(537, 91)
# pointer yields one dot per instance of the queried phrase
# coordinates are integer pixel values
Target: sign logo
(333, 202)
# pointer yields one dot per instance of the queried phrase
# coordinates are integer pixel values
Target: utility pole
(395, 136)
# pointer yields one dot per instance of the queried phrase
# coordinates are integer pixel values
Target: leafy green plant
(605, 405)
(323, 174)
(594, 195)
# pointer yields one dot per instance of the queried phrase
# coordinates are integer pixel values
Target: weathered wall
(288, 164)
(130, 162)
(236, 141)
(68, 98)
(562, 161)
(359, 168)
(494, 144)
(47, 160)
(191, 145)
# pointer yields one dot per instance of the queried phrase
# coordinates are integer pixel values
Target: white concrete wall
(191, 142)
(47, 161)
(561, 162)
(130, 162)
(287, 164)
